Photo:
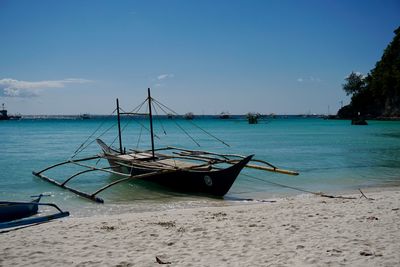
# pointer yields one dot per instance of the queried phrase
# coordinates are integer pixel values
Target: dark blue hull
(10, 211)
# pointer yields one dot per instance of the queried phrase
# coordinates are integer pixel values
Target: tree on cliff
(355, 83)
(378, 93)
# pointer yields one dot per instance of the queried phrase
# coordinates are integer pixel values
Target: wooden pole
(63, 163)
(271, 169)
(119, 129)
(151, 123)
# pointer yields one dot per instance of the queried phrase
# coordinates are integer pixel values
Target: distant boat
(358, 121)
(84, 116)
(189, 116)
(253, 117)
(4, 116)
(224, 115)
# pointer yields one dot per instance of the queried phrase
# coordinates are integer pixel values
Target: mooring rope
(295, 188)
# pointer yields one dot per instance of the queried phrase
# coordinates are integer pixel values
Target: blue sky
(285, 57)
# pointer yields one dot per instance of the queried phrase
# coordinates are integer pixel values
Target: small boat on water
(4, 115)
(253, 117)
(14, 214)
(84, 116)
(225, 115)
(189, 116)
(176, 169)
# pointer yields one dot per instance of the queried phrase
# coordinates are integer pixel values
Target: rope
(91, 142)
(80, 149)
(84, 145)
(133, 118)
(206, 132)
(177, 124)
(158, 119)
(296, 188)
(140, 134)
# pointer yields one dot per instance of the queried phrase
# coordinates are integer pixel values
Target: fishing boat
(253, 117)
(84, 116)
(176, 169)
(189, 116)
(4, 116)
(16, 210)
(225, 115)
(13, 214)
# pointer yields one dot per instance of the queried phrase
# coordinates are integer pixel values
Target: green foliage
(355, 83)
(377, 94)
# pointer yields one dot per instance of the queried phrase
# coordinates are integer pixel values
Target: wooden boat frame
(171, 170)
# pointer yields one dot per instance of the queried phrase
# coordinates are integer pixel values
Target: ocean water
(332, 156)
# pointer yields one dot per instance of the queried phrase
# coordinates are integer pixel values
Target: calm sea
(332, 156)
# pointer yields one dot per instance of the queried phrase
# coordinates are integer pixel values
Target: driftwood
(331, 196)
(161, 262)
(363, 195)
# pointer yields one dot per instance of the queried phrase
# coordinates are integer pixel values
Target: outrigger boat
(16, 210)
(178, 169)
(14, 214)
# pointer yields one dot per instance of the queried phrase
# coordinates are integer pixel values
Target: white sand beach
(306, 230)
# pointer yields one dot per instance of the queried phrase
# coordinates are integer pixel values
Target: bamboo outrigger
(183, 170)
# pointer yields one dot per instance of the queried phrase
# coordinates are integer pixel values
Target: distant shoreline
(237, 116)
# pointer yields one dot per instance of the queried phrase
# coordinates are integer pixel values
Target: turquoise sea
(332, 156)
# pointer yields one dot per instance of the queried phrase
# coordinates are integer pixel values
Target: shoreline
(193, 202)
(305, 230)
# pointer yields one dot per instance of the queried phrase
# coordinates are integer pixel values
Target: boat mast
(151, 123)
(119, 128)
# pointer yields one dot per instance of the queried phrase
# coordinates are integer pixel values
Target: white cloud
(310, 79)
(16, 88)
(165, 76)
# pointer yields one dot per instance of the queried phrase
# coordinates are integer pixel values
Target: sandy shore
(298, 231)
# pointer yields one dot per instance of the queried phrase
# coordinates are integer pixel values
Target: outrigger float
(178, 169)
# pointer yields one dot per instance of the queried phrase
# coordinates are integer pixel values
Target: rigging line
(158, 119)
(134, 119)
(278, 184)
(213, 136)
(127, 123)
(140, 134)
(138, 107)
(81, 148)
(180, 127)
(91, 142)
(122, 130)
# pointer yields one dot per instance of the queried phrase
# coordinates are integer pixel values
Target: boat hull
(213, 182)
(14, 210)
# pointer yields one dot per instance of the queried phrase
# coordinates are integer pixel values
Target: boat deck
(163, 161)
